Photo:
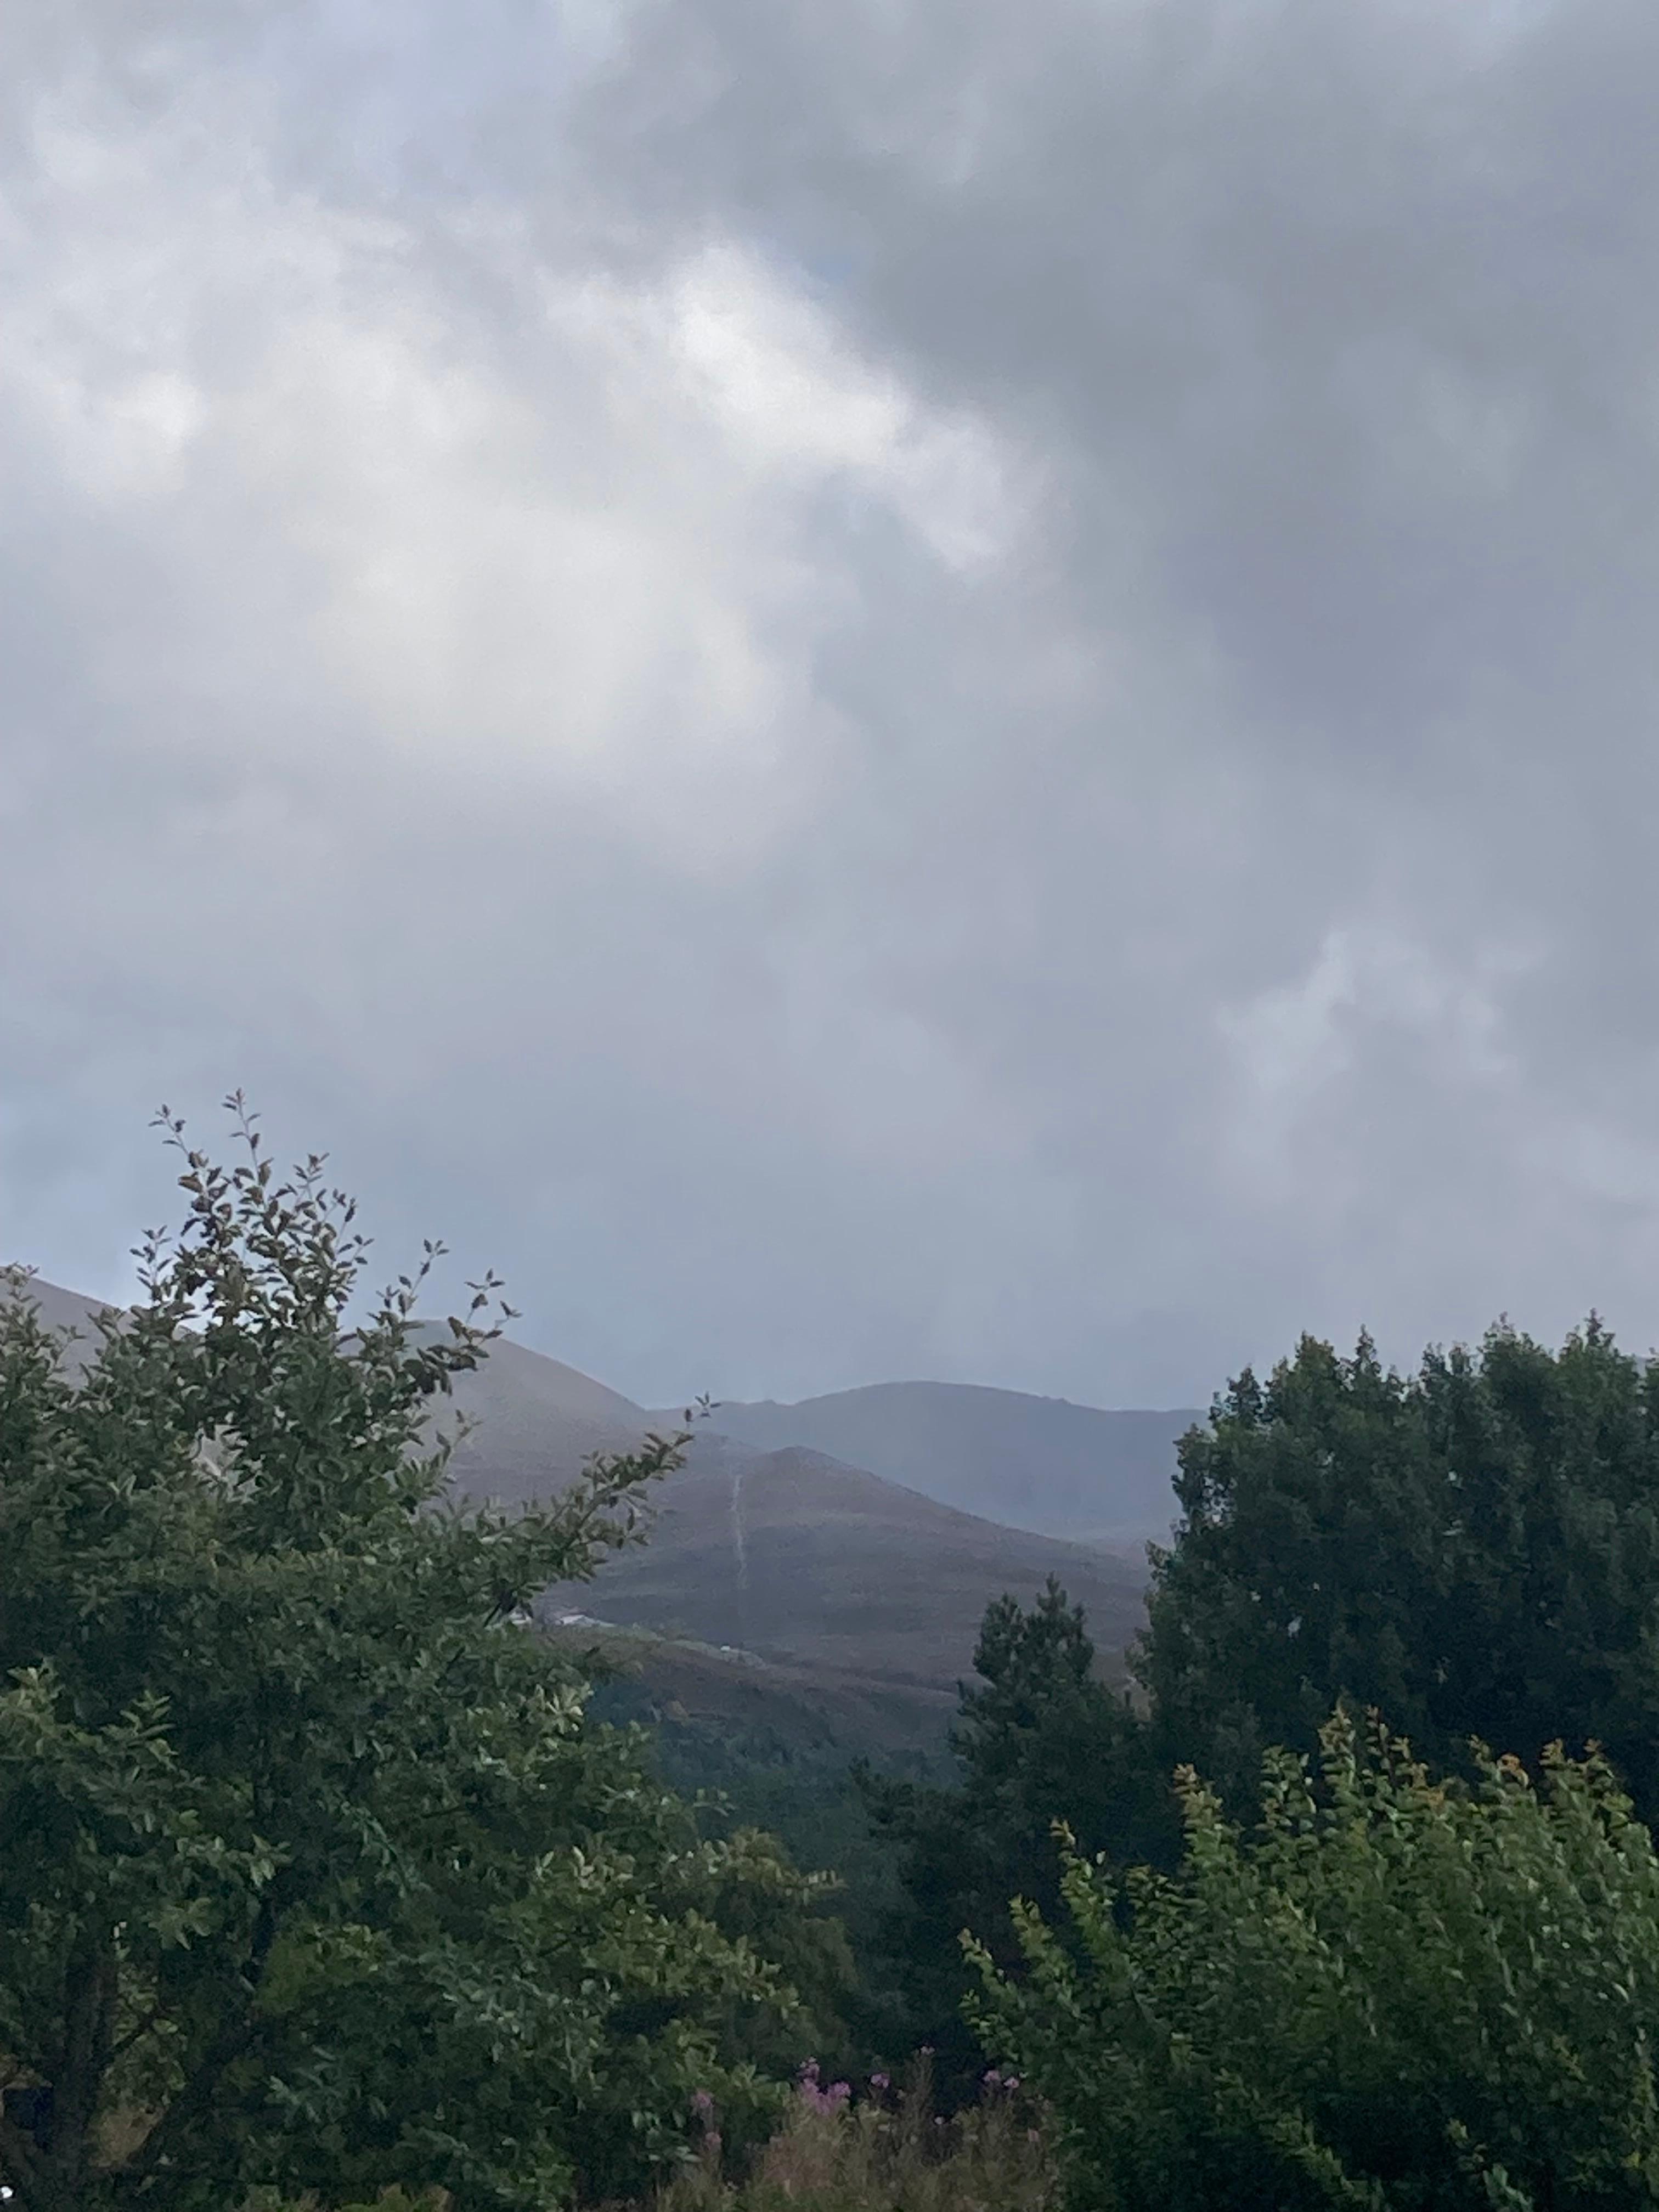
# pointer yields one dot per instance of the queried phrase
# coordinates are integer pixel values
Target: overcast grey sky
(867, 690)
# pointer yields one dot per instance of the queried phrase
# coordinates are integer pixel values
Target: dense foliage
(313, 1873)
(800, 1784)
(1474, 1549)
(1039, 1737)
(1393, 1993)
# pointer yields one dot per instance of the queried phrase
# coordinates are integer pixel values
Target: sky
(911, 688)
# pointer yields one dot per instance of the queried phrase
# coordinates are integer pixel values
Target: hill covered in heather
(790, 1570)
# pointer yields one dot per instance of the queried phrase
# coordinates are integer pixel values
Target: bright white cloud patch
(795, 402)
(1297, 1045)
(596, 555)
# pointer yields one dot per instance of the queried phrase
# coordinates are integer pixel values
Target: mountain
(542, 1419)
(818, 1577)
(799, 1556)
(792, 1556)
(534, 1423)
(61, 1308)
(823, 1572)
(1038, 1463)
(803, 1561)
(71, 1314)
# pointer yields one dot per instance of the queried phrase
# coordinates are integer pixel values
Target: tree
(1395, 1994)
(313, 1873)
(1040, 1738)
(1474, 1549)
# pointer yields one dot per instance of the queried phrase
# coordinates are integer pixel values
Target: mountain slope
(805, 1561)
(792, 1554)
(61, 1308)
(822, 1570)
(536, 1421)
(1037, 1463)
(70, 1312)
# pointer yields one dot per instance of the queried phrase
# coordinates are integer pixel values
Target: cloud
(587, 547)
(871, 691)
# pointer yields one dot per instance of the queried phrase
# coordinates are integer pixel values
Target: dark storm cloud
(879, 691)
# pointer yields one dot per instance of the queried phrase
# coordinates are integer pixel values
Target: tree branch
(231, 2042)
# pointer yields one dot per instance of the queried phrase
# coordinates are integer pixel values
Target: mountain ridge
(1059, 1468)
(815, 1562)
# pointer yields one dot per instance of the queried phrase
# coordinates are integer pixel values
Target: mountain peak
(1045, 1464)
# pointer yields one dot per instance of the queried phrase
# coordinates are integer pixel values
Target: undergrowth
(883, 2151)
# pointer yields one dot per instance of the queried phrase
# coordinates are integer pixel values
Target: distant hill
(796, 1554)
(805, 1561)
(542, 1419)
(843, 1583)
(70, 1312)
(61, 1308)
(536, 1422)
(1038, 1463)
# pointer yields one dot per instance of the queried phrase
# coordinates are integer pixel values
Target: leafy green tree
(1041, 1737)
(1393, 1994)
(313, 1873)
(1474, 1549)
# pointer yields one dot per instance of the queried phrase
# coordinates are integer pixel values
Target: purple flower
(817, 2098)
(702, 2104)
(880, 2082)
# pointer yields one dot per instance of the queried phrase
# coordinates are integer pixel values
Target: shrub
(1393, 1993)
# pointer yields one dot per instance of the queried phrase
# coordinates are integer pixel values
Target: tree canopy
(1474, 1549)
(313, 1872)
(1392, 1995)
(1039, 1737)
